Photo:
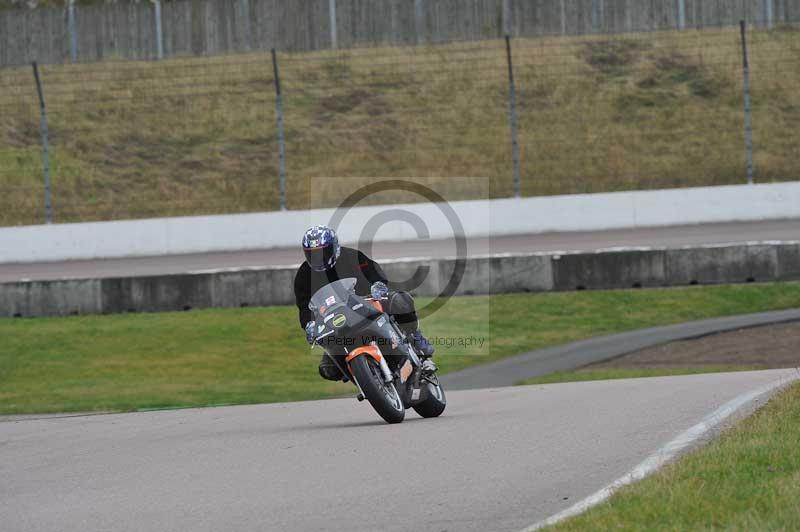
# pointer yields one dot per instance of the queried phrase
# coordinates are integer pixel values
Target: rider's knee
(401, 306)
(401, 302)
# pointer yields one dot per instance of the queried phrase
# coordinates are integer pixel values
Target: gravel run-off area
(773, 346)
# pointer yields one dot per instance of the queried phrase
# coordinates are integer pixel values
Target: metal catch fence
(536, 116)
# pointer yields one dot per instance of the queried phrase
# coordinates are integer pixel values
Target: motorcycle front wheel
(381, 395)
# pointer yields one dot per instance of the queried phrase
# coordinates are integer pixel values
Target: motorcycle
(370, 349)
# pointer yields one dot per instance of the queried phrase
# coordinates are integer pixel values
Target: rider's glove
(379, 290)
(310, 331)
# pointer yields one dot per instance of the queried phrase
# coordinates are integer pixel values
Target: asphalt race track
(499, 459)
(661, 237)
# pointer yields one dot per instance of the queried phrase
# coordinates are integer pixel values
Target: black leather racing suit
(351, 263)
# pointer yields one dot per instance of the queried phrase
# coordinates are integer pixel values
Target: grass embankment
(747, 479)
(596, 113)
(129, 361)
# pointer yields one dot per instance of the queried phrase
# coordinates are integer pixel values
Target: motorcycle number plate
(415, 394)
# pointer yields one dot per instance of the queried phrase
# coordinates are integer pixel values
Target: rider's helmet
(321, 247)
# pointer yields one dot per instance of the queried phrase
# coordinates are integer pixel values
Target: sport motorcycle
(371, 350)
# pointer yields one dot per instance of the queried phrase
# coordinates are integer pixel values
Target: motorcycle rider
(326, 262)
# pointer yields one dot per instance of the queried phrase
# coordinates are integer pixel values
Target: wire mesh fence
(595, 113)
(21, 184)
(640, 111)
(133, 140)
(427, 113)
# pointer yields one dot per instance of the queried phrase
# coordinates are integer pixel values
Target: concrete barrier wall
(758, 262)
(582, 212)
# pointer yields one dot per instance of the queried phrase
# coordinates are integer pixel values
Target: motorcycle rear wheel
(436, 402)
(381, 395)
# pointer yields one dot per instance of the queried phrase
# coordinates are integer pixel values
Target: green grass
(748, 479)
(253, 355)
(589, 374)
(596, 113)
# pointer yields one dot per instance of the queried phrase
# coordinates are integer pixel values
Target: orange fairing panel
(370, 350)
(405, 371)
(377, 304)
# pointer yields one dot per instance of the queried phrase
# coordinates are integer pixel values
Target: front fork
(387, 373)
(387, 377)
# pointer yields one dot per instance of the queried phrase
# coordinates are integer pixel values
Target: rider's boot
(428, 366)
(426, 350)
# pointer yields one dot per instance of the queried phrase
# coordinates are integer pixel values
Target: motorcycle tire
(383, 397)
(435, 404)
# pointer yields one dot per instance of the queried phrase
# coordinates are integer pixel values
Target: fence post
(563, 17)
(506, 17)
(770, 13)
(332, 15)
(628, 16)
(159, 32)
(596, 16)
(681, 14)
(247, 38)
(72, 31)
(48, 201)
(419, 21)
(748, 108)
(281, 138)
(512, 113)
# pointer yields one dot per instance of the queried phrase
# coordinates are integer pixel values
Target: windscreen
(332, 295)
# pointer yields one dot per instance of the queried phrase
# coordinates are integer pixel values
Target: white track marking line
(664, 454)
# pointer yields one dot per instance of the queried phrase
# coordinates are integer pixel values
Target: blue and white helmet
(321, 247)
